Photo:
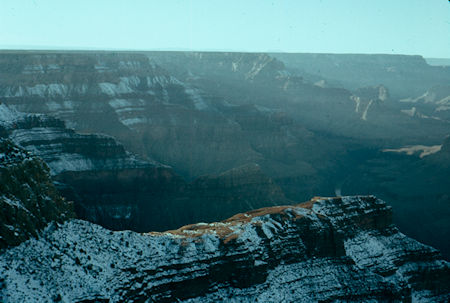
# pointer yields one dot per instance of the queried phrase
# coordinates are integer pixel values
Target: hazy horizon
(348, 27)
(94, 49)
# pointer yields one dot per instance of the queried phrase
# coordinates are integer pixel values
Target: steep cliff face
(328, 249)
(117, 190)
(92, 170)
(63, 149)
(28, 199)
(157, 199)
(84, 89)
(246, 187)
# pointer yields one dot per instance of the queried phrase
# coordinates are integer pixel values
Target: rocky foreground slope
(325, 250)
(28, 199)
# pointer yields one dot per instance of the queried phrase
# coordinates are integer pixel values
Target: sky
(415, 27)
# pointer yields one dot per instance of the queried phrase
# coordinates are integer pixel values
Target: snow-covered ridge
(326, 249)
(44, 90)
(125, 85)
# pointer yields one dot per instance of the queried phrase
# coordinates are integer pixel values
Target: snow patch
(196, 98)
(423, 150)
(13, 202)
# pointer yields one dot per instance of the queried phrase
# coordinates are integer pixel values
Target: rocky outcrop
(28, 199)
(328, 249)
(368, 97)
(433, 104)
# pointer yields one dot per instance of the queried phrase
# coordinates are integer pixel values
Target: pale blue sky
(326, 26)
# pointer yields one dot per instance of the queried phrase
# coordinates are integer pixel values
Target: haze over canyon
(182, 177)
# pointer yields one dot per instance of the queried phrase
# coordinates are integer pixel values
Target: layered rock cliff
(62, 148)
(328, 249)
(118, 190)
(206, 113)
(128, 96)
(96, 159)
